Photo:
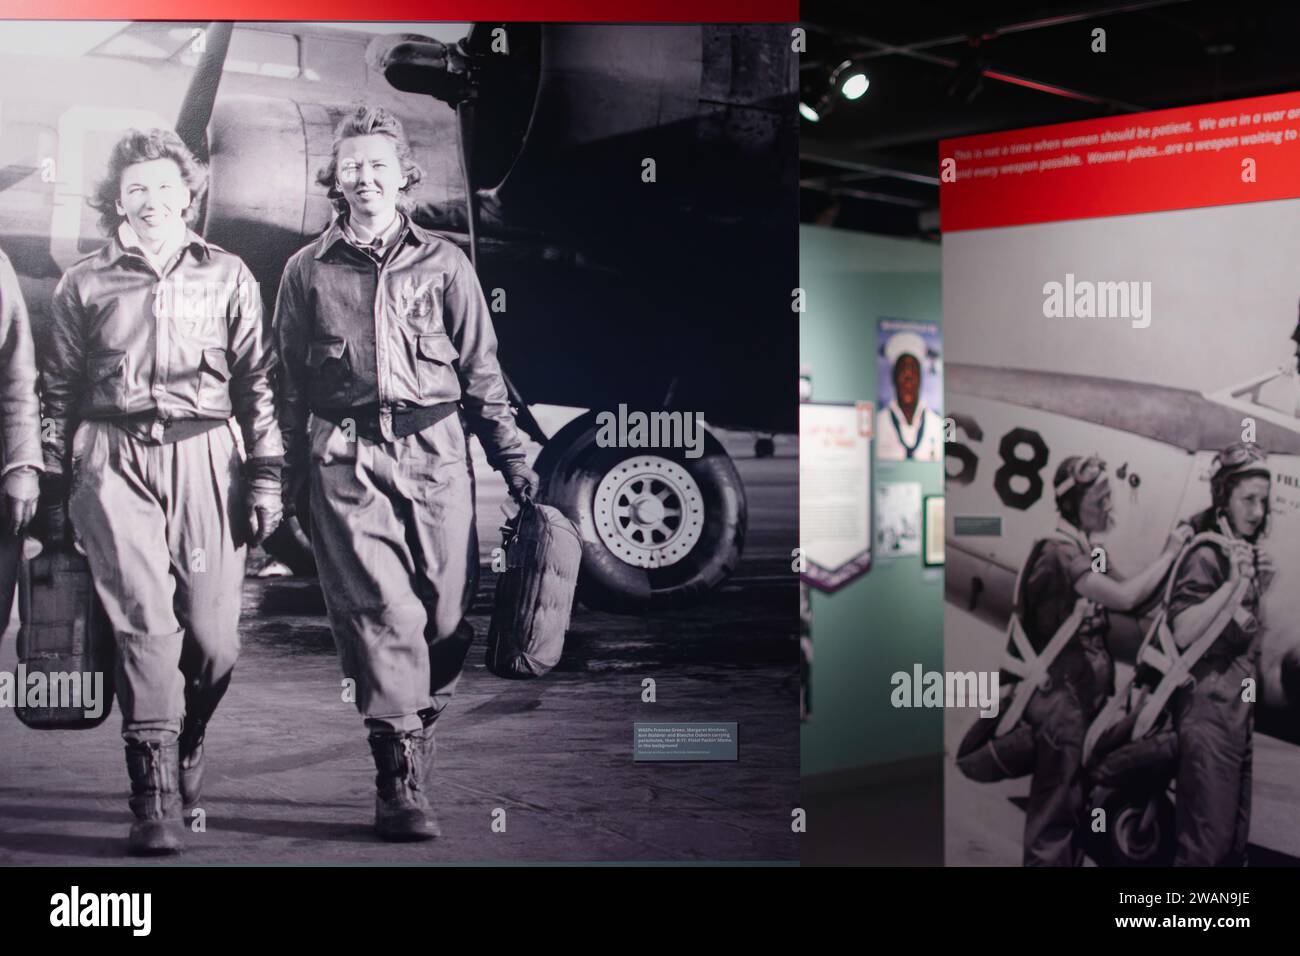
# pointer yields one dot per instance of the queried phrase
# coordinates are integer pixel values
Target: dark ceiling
(937, 71)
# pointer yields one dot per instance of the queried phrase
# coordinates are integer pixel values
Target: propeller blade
(196, 109)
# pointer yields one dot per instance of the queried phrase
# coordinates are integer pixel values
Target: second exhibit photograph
(1055, 246)
(1126, 414)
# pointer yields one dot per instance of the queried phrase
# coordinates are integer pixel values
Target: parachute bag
(64, 632)
(534, 595)
(1148, 762)
(985, 758)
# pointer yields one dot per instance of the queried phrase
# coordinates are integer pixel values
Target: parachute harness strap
(1021, 660)
(1160, 651)
(1175, 667)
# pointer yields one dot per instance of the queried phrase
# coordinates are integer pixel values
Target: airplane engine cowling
(566, 116)
(706, 108)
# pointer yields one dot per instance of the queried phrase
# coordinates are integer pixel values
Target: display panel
(1122, 380)
(582, 302)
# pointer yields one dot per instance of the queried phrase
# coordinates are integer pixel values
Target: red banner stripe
(1212, 154)
(611, 11)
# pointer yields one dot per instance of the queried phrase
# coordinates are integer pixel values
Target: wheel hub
(649, 511)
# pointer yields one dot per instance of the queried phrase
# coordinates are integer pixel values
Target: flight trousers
(163, 528)
(1060, 721)
(1060, 714)
(397, 551)
(1215, 758)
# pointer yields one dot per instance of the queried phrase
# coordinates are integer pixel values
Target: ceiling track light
(851, 83)
(849, 80)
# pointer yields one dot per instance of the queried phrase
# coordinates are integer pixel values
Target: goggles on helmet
(1083, 472)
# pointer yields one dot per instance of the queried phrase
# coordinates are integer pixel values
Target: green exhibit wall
(892, 617)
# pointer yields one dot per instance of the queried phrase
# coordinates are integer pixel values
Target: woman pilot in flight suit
(1211, 717)
(1059, 574)
(155, 343)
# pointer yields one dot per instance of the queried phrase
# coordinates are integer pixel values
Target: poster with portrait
(909, 388)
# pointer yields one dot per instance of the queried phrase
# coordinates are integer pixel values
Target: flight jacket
(20, 426)
(409, 331)
(149, 350)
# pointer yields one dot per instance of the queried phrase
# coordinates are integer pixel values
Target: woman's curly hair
(141, 146)
(371, 121)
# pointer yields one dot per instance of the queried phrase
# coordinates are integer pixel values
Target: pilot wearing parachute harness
(1059, 664)
(1211, 719)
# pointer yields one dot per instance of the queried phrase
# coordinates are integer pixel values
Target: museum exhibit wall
(891, 618)
(1124, 289)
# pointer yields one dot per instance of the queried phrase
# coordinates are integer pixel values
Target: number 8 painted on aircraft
(1013, 466)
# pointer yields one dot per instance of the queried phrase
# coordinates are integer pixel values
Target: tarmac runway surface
(290, 779)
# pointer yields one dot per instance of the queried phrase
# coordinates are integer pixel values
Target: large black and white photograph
(398, 442)
(1137, 590)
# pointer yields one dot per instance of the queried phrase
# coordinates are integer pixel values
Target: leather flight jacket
(149, 350)
(20, 427)
(385, 337)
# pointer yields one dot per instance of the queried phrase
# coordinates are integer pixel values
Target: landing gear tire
(658, 529)
(1139, 830)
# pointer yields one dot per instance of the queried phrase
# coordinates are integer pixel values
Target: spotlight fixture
(851, 83)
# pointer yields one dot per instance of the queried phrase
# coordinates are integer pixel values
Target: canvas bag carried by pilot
(64, 630)
(534, 595)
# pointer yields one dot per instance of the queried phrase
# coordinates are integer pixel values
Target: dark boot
(428, 745)
(402, 811)
(155, 799)
(200, 704)
(191, 761)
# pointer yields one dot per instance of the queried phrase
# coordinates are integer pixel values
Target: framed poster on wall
(932, 534)
(898, 519)
(834, 493)
(909, 387)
